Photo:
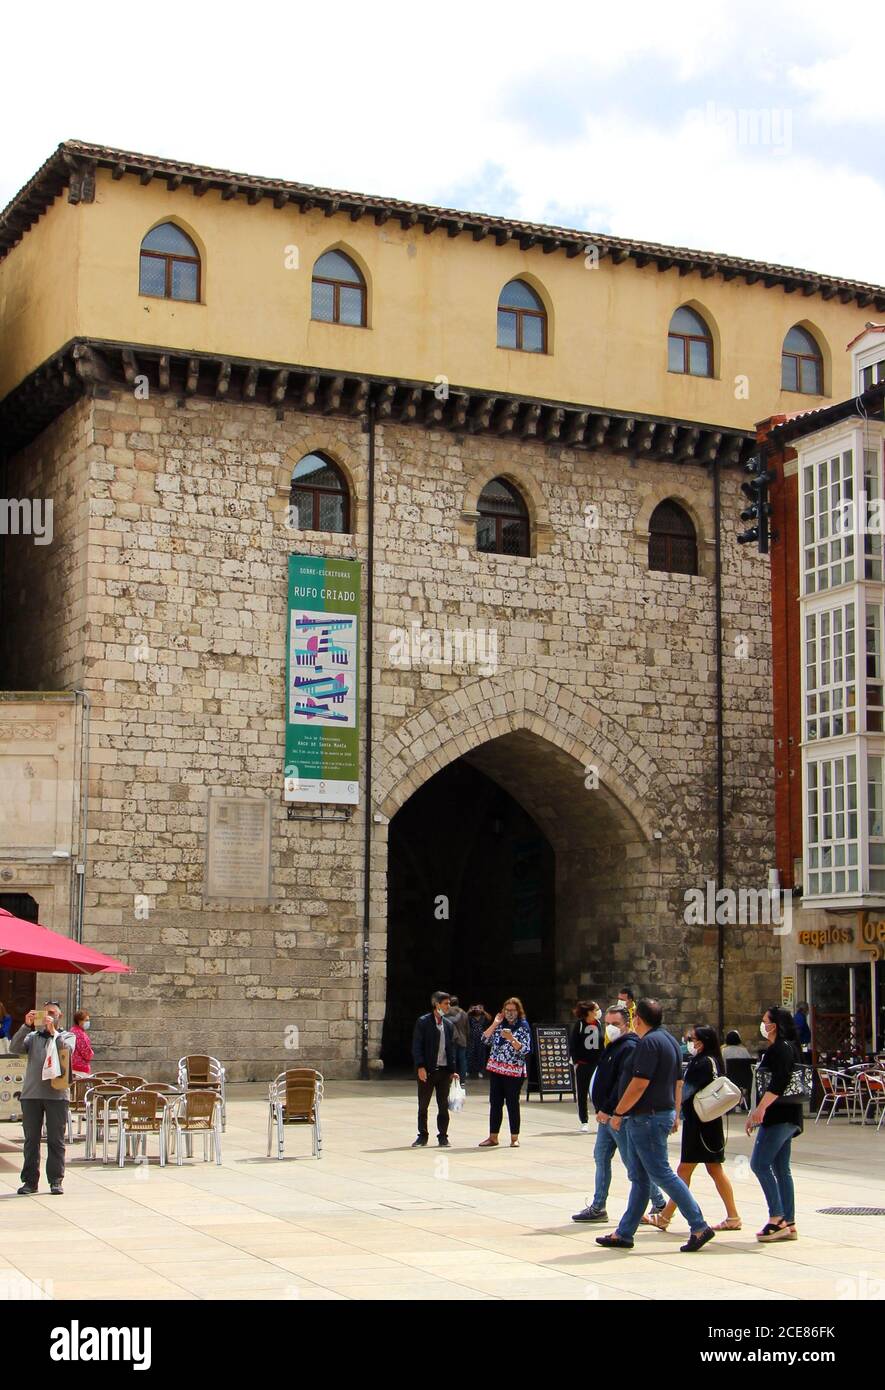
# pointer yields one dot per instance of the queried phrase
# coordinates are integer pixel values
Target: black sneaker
(591, 1213)
(26, 1191)
(614, 1242)
(697, 1241)
(443, 1141)
(56, 1189)
(420, 1142)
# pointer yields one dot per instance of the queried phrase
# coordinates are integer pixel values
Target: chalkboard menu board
(553, 1072)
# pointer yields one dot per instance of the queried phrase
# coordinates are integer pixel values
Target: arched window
(170, 264)
(672, 543)
(319, 499)
(690, 344)
(503, 525)
(522, 319)
(338, 293)
(802, 367)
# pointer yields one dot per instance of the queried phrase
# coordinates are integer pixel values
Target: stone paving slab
(374, 1219)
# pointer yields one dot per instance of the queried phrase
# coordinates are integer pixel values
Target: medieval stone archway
(580, 786)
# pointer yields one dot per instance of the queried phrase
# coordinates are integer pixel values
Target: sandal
(514, 1141)
(731, 1223)
(490, 1143)
(659, 1222)
(774, 1230)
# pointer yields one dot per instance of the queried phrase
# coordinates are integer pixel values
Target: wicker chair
(77, 1105)
(132, 1083)
(196, 1112)
(294, 1098)
(202, 1073)
(101, 1113)
(140, 1113)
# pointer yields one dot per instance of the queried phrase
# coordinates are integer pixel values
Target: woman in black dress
(702, 1143)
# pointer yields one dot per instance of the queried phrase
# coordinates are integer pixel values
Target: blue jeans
(649, 1163)
(461, 1063)
(607, 1140)
(770, 1161)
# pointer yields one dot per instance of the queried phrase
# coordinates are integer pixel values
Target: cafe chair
(294, 1098)
(836, 1092)
(871, 1095)
(740, 1071)
(101, 1113)
(77, 1105)
(140, 1113)
(202, 1073)
(196, 1112)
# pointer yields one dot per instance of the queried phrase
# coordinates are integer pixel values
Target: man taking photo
(40, 1100)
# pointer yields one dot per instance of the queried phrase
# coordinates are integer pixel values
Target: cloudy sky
(750, 128)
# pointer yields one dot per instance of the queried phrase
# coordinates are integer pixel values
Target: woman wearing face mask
(83, 1052)
(702, 1143)
(585, 1044)
(510, 1040)
(778, 1116)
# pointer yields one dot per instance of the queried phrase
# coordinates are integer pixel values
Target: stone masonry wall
(179, 509)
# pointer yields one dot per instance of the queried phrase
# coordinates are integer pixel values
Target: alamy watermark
(768, 127)
(27, 516)
(417, 646)
(742, 907)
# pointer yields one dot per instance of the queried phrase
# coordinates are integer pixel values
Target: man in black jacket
(433, 1052)
(610, 1081)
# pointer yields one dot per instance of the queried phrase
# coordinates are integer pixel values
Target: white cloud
(410, 101)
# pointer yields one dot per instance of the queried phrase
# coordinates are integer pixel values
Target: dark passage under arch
(471, 904)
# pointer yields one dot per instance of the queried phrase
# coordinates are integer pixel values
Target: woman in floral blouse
(510, 1040)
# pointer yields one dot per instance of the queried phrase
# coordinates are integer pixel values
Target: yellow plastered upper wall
(38, 293)
(432, 307)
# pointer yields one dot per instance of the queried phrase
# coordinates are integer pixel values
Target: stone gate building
(565, 674)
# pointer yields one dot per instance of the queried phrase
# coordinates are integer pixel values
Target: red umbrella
(27, 946)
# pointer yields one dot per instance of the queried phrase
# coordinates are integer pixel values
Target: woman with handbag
(777, 1120)
(702, 1142)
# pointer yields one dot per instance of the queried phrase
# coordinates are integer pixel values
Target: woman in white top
(734, 1049)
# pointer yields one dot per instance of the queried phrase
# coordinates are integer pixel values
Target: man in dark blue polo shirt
(648, 1111)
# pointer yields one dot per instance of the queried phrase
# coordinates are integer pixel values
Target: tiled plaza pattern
(374, 1219)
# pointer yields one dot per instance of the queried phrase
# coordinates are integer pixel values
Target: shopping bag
(457, 1095)
(51, 1064)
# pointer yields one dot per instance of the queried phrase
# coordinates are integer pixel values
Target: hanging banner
(322, 659)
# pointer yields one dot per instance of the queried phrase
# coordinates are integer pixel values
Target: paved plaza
(375, 1219)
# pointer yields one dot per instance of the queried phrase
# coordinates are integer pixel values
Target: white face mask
(87, 1025)
(764, 1031)
(612, 1032)
(692, 1048)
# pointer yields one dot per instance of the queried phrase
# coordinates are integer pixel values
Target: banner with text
(322, 660)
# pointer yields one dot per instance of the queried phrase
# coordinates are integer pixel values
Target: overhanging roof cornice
(97, 367)
(74, 163)
(869, 405)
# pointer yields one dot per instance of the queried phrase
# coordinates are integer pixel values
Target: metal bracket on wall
(293, 812)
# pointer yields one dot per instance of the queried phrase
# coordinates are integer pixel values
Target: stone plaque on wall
(238, 861)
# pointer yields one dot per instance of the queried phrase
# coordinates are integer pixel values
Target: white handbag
(716, 1099)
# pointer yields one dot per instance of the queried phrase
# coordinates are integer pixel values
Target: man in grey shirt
(40, 1101)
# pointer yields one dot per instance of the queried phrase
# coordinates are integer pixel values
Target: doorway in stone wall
(509, 872)
(470, 904)
(18, 987)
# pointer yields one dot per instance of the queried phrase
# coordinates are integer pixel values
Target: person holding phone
(510, 1040)
(40, 1100)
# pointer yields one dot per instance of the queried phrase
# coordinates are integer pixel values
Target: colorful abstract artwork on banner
(322, 669)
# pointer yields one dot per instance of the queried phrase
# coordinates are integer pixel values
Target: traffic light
(759, 510)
